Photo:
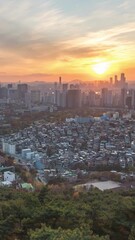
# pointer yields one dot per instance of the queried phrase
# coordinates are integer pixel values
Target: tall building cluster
(120, 83)
(19, 94)
(115, 93)
(67, 96)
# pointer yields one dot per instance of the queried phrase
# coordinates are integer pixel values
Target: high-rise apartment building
(106, 97)
(35, 96)
(74, 98)
(123, 97)
(22, 91)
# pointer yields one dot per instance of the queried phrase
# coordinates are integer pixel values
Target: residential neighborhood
(73, 149)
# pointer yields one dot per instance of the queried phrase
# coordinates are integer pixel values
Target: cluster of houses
(7, 176)
(76, 146)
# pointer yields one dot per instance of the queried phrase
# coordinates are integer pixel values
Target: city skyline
(86, 40)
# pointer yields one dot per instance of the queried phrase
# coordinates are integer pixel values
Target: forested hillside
(66, 215)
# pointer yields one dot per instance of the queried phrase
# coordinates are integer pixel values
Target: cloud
(38, 36)
(32, 29)
(25, 77)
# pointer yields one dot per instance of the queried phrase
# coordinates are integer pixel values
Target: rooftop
(105, 185)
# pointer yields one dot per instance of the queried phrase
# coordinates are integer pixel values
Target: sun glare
(100, 68)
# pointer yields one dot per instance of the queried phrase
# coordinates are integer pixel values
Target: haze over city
(87, 40)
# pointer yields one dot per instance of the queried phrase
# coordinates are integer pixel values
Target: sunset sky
(40, 40)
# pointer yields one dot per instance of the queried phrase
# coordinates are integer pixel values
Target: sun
(100, 68)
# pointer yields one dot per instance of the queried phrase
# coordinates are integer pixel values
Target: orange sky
(41, 40)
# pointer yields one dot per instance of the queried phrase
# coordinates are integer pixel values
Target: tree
(7, 227)
(42, 194)
(132, 234)
(58, 234)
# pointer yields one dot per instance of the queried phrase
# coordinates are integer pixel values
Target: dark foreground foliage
(67, 215)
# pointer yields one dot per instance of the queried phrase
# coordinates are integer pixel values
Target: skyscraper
(35, 96)
(22, 91)
(116, 80)
(123, 97)
(106, 97)
(104, 93)
(74, 98)
(60, 80)
(123, 79)
(91, 98)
